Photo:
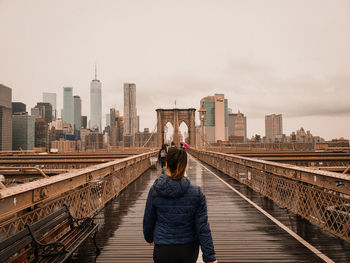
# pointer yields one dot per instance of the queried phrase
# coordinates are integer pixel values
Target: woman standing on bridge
(175, 219)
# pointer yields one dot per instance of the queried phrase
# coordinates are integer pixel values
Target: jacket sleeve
(149, 218)
(203, 230)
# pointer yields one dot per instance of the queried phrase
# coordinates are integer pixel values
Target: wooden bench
(51, 239)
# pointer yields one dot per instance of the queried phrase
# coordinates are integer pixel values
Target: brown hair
(176, 162)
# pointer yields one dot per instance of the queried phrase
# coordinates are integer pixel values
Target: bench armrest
(80, 222)
(45, 250)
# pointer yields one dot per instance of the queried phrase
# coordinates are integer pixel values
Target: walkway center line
(277, 222)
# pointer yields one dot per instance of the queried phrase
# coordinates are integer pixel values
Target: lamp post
(202, 114)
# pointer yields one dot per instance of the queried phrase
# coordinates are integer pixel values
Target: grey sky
(282, 56)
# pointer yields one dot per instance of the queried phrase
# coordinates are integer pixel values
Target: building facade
(77, 116)
(302, 136)
(57, 124)
(240, 126)
(93, 141)
(108, 119)
(46, 110)
(273, 127)
(68, 105)
(18, 108)
(52, 99)
(237, 126)
(41, 133)
(65, 145)
(216, 121)
(23, 130)
(56, 131)
(231, 123)
(130, 112)
(145, 139)
(36, 112)
(84, 122)
(96, 104)
(114, 127)
(5, 118)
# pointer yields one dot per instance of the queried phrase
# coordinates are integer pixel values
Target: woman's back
(175, 218)
(175, 203)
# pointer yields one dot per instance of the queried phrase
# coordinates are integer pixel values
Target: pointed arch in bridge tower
(176, 117)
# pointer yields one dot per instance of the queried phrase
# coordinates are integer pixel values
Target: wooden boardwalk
(241, 233)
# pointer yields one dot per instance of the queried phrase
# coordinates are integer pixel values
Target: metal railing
(85, 191)
(321, 197)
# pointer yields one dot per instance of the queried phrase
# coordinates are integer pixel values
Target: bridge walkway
(241, 233)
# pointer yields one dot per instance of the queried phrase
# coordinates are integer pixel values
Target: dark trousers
(186, 253)
(162, 161)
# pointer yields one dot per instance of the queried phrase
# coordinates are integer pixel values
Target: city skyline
(256, 130)
(259, 55)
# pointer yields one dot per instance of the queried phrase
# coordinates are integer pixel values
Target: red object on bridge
(186, 145)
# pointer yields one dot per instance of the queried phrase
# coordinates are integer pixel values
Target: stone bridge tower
(176, 117)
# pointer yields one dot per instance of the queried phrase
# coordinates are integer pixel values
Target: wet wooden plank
(240, 232)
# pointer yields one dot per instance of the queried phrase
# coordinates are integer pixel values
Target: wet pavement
(241, 233)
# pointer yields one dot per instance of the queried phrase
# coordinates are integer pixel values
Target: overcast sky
(267, 56)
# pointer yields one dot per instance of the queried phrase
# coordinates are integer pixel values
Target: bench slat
(57, 230)
(75, 245)
(47, 219)
(9, 241)
(9, 251)
(39, 233)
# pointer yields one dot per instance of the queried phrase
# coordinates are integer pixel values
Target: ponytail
(177, 162)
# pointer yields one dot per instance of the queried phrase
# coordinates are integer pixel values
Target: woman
(175, 219)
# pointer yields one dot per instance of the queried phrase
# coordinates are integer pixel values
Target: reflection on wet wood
(240, 232)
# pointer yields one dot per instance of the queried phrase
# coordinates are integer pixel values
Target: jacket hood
(167, 187)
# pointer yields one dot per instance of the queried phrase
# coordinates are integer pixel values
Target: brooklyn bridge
(263, 205)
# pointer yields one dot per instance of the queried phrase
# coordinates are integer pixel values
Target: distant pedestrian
(175, 220)
(162, 155)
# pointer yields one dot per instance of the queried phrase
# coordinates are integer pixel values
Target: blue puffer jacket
(176, 213)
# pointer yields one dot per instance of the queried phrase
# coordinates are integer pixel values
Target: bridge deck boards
(240, 232)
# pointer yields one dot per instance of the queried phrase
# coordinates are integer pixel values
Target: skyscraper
(68, 107)
(130, 112)
(113, 127)
(41, 133)
(84, 122)
(23, 127)
(216, 121)
(237, 125)
(95, 104)
(273, 127)
(51, 98)
(77, 116)
(240, 126)
(108, 119)
(220, 117)
(5, 118)
(231, 123)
